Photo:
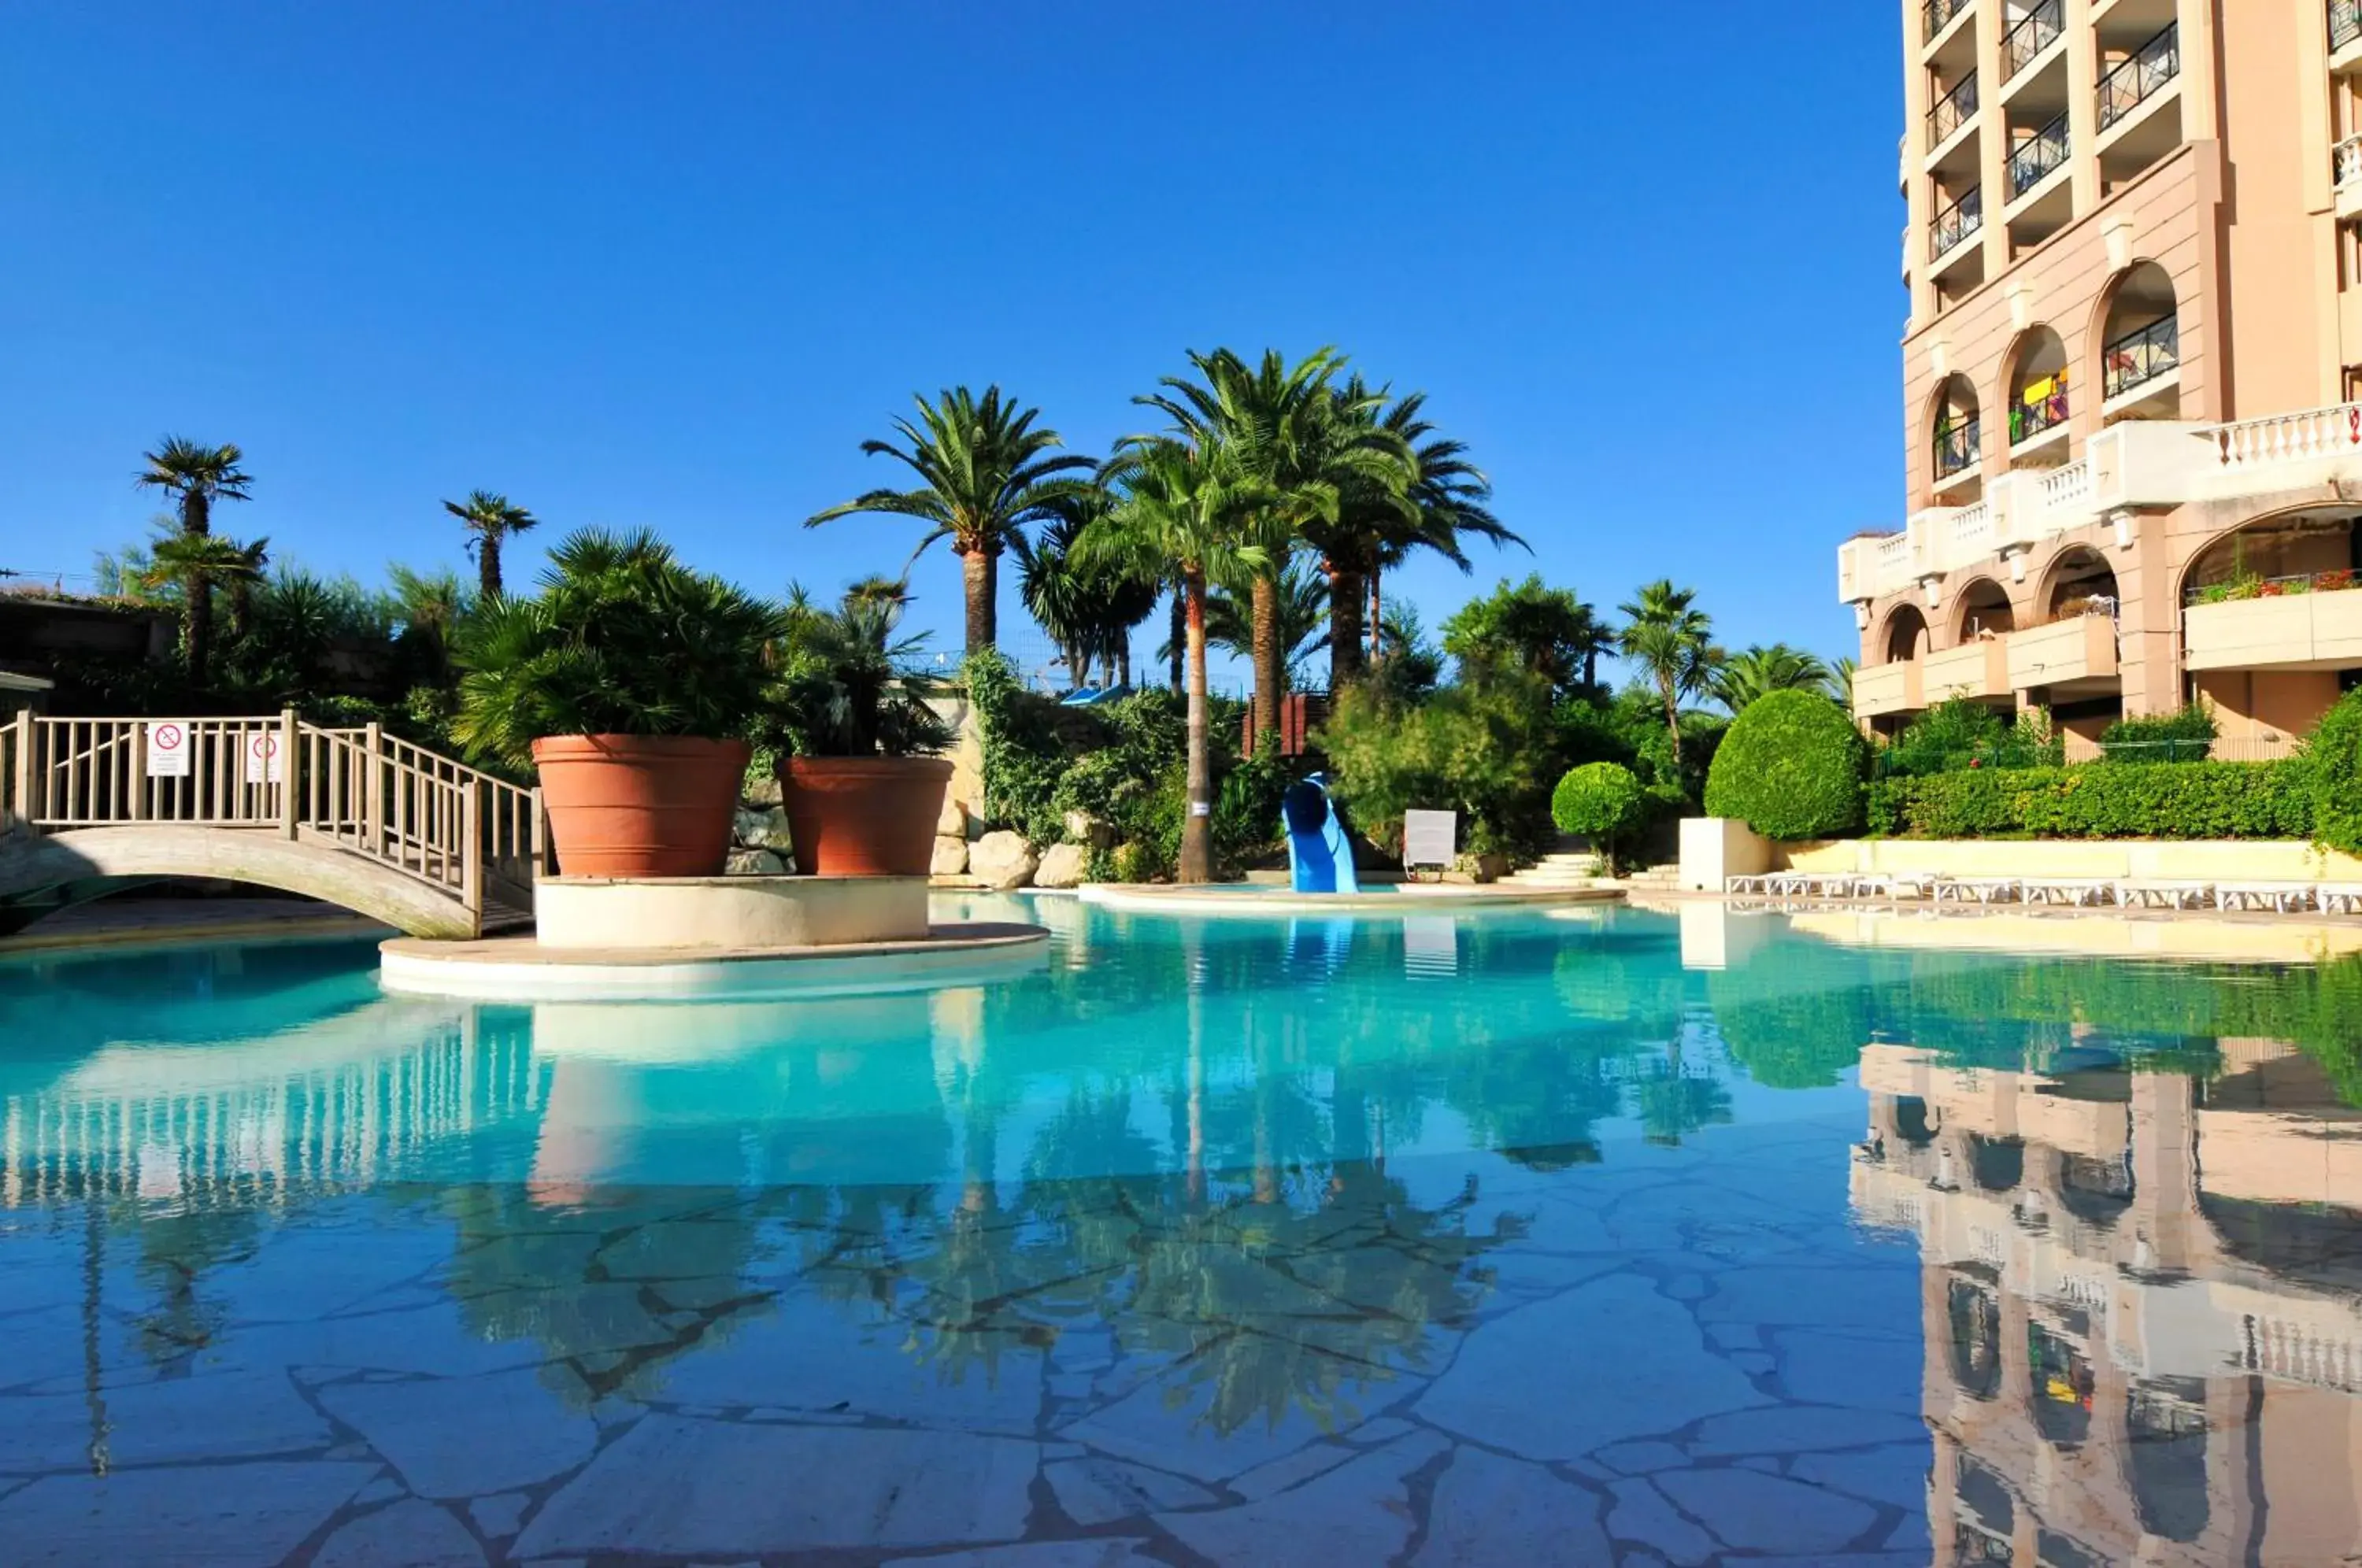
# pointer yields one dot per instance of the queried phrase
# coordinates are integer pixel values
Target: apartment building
(2139, 1325)
(2132, 378)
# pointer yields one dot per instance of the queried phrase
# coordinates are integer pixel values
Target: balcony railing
(2135, 80)
(1952, 111)
(2032, 160)
(2032, 33)
(2030, 417)
(2141, 356)
(2349, 156)
(1940, 13)
(2344, 23)
(1956, 222)
(1958, 449)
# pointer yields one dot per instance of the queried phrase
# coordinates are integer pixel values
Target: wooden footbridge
(352, 816)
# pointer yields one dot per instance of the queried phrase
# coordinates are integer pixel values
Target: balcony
(1950, 112)
(1940, 15)
(2310, 628)
(2078, 652)
(2344, 28)
(1956, 223)
(1884, 689)
(2140, 359)
(2148, 72)
(1959, 448)
(2033, 160)
(1975, 669)
(2032, 33)
(2349, 176)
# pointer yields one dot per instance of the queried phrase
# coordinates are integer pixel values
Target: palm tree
(195, 476)
(1187, 509)
(490, 519)
(1088, 611)
(984, 475)
(1302, 614)
(1763, 668)
(1673, 640)
(1281, 425)
(201, 563)
(1841, 681)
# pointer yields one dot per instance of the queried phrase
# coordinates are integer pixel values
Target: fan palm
(201, 564)
(490, 519)
(1672, 641)
(195, 476)
(984, 475)
(1302, 616)
(1088, 611)
(1184, 509)
(1282, 425)
(1764, 669)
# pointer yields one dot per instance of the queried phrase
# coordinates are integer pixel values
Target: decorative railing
(2141, 356)
(2030, 35)
(1972, 530)
(427, 817)
(1956, 447)
(2344, 23)
(1952, 111)
(2066, 486)
(2349, 165)
(1956, 222)
(1892, 557)
(2031, 160)
(2137, 78)
(2300, 1354)
(1940, 13)
(2029, 418)
(2282, 438)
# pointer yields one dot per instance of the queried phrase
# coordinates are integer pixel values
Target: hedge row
(2190, 800)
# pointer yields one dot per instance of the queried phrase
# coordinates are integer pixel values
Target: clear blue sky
(668, 264)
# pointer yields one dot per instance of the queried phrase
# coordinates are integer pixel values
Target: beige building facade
(2132, 377)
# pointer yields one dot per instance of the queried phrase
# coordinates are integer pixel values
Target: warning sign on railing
(168, 750)
(264, 765)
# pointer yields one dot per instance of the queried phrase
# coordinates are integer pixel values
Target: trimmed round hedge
(2334, 758)
(1599, 799)
(1791, 767)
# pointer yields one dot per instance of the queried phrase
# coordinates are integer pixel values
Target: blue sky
(669, 265)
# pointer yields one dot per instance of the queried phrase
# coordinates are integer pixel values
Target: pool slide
(1320, 856)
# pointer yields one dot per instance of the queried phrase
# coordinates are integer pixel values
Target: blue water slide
(1320, 856)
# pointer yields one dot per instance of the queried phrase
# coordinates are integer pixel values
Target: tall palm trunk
(1179, 633)
(1078, 666)
(981, 568)
(488, 566)
(1198, 827)
(1377, 616)
(197, 627)
(1672, 717)
(1268, 675)
(1124, 662)
(197, 514)
(1346, 589)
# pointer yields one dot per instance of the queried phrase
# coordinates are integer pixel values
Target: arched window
(2140, 354)
(1985, 611)
(1906, 634)
(2038, 398)
(1957, 433)
(2080, 582)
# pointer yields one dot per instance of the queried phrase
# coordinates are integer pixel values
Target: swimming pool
(1516, 1237)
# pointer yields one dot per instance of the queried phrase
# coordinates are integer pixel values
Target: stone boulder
(1002, 860)
(754, 863)
(762, 829)
(764, 791)
(1063, 865)
(1093, 832)
(950, 857)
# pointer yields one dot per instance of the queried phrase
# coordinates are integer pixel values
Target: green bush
(2186, 736)
(1601, 801)
(1486, 749)
(2214, 800)
(1789, 767)
(1960, 733)
(2334, 759)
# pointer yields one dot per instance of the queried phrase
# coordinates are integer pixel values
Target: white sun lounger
(2164, 895)
(2072, 891)
(1981, 890)
(2339, 897)
(2282, 898)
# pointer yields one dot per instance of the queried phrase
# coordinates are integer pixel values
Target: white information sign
(168, 750)
(264, 765)
(1430, 838)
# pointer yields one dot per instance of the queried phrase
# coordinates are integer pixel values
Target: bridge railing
(462, 832)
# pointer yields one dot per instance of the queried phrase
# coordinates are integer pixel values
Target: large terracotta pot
(863, 816)
(640, 805)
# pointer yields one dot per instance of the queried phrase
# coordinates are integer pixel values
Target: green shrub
(1789, 767)
(2186, 736)
(1601, 801)
(2333, 761)
(1960, 733)
(2214, 800)
(1486, 749)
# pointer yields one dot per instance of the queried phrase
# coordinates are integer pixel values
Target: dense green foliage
(2186, 736)
(1791, 768)
(1547, 632)
(2334, 758)
(1601, 801)
(622, 639)
(848, 685)
(2213, 800)
(1483, 748)
(1760, 670)
(1960, 733)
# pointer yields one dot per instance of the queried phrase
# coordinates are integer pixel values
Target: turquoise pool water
(1580, 1236)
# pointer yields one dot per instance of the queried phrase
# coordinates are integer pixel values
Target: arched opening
(2299, 551)
(2165, 1421)
(2269, 672)
(2096, 1191)
(1912, 1122)
(2063, 1383)
(1997, 1163)
(2082, 582)
(1985, 610)
(2140, 354)
(1906, 634)
(1955, 430)
(1975, 1316)
(2038, 400)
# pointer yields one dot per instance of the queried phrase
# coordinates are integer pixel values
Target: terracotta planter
(640, 805)
(863, 816)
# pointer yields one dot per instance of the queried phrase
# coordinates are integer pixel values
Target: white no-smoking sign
(168, 750)
(264, 765)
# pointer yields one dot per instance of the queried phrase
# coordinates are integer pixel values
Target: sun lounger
(2164, 895)
(2074, 891)
(2339, 897)
(2281, 898)
(1981, 889)
(1747, 884)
